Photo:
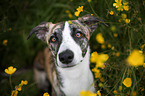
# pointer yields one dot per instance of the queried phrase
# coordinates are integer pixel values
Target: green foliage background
(23, 15)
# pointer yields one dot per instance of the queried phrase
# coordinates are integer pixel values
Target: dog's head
(68, 41)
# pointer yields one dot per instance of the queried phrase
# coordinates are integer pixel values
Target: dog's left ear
(91, 22)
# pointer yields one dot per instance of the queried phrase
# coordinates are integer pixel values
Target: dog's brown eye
(53, 39)
(78, 35)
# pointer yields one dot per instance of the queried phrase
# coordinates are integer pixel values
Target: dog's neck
(77, 78)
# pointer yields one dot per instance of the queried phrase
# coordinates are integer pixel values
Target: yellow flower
(109, 45)
(103, 46)
(100, 38)
(118, 3)
(115, 91)
(111, 12)
(10, 70)
(120, 8)
(98, 93)
(117, 54)
(89, 1)
(94, 55)
(102, 79)
(77, 13)
(113, 28)
(127, 82)
(91, 14)
(70, 15)
(99, 59)
(126, 8)
(97, 75)
(134, 93)
(80, 9)
(123, 15)
(96, 72)
(144, 65)
(24, 82)
(127, 21)
(10, 29)
(67, 11)
(119, 20)
(19, 88)
(135, 58)
(14, 93)
(120, 88)
(69, 22)
(46, 94)
(5, 42)
(115, 34)
(87, 93)
(100, 85)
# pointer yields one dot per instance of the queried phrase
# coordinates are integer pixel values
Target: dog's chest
(77, 78)
(73, 87)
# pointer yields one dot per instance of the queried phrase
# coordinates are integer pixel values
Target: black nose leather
(66, 56)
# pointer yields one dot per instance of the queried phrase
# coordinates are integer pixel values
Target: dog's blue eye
(78, 34)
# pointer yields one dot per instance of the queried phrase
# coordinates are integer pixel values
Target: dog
(63, 68)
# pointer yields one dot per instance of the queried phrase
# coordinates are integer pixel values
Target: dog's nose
(66, 56)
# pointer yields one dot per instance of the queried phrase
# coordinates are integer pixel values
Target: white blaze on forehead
(69, 43)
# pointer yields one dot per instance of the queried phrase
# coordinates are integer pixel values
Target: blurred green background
(18, 17)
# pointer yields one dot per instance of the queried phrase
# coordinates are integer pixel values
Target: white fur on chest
(77, 78)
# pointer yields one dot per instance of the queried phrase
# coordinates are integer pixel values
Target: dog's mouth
(67, 66)
(70, 65)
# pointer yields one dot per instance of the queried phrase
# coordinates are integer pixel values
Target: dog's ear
(91, 22)
(41, 30)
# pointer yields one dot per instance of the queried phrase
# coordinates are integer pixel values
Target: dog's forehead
(59, 27)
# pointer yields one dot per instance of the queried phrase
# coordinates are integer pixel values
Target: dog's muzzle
(66, 57)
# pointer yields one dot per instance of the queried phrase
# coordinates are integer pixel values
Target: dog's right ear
(41, 30)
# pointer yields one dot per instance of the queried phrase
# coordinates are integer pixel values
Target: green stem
(10, 81)
(93, 10)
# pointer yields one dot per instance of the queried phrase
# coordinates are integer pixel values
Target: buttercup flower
(79, 9)
(10, 29)
(70, 15)
(5, 42)
(10, 70)
(46, 94)
(125, 6)
(77, 13)
(111, 12)
(135, 58)
(99, 38)
(118, 3)
(99, 59)
(87, 93)
(123, 15)
(14, 93)
(127, 82)
(127, 21)
(115, 91)
(98, 93)
(24, 82)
